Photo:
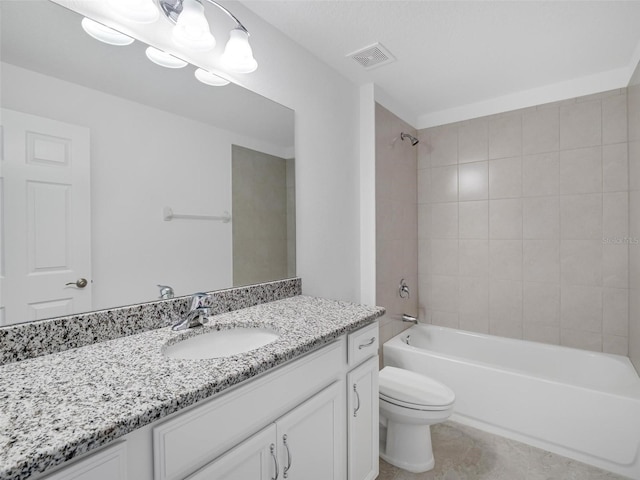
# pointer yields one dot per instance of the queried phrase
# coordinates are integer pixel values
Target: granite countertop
(58, 406)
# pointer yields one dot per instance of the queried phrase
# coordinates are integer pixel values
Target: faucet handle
(198, 300)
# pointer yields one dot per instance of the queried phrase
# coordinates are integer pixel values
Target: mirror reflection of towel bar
(168, 215)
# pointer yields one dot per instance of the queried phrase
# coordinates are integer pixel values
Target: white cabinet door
(362, 414)
(310, 437)
(108, 464)
(45, 192)
(253, 459)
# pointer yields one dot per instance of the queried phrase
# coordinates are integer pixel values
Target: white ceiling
(456, 54)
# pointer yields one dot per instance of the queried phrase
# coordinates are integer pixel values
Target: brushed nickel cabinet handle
(355, 390)
(285, 472)
(272, 449)
(368, 344)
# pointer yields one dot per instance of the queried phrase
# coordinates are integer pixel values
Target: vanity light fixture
(191, 32)
(188, 16)
(209, 78)
(137, 11)
(105, 34)
(164, 59)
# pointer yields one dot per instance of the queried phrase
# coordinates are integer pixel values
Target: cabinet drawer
(190, 440)
(363, 344)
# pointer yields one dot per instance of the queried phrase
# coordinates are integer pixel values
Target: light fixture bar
(173, 8)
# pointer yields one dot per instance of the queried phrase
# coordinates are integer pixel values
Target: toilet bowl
(409, 404)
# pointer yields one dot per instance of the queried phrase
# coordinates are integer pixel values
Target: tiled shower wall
(522, 223)
(396, 227)
(633, 103)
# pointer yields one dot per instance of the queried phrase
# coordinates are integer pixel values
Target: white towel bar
(168, 215)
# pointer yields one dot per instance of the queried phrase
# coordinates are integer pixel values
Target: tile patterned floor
(465, 453)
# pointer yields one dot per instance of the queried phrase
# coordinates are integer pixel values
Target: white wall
(327, 156)
(143, 159)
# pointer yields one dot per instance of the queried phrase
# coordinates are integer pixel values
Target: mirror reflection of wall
(264, 216)
(155, 141)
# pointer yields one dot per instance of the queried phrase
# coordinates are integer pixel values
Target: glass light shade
(238, 56)
(138, 11)
(192, 29)
(164, 59)
(209, 78)
(105, 34)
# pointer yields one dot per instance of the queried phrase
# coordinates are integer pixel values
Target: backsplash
(28, 340)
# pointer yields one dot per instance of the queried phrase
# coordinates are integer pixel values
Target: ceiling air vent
(373, 56)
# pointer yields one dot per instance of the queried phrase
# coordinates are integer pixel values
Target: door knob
(80, 283)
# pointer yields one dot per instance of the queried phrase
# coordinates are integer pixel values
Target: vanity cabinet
(313, 418)
(305, 444)
(362, 404)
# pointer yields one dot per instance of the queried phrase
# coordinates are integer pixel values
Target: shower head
(414, 140)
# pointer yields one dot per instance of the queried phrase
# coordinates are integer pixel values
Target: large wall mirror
(129, 175)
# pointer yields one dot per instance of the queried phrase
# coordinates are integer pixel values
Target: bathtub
(579, 404)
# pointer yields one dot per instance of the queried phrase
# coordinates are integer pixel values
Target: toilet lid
(411, 388)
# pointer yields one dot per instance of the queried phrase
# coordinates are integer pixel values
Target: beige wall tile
(541, 130)
(505, 136)
(615, 316)
(473, 258)
(444, 257)
(541, 217)
(541, 174)
(581, 308)
(444, 146)
(424, 185)
(614, 119)
(505, 178)
(541, 260)
(581, 262)
(541, 333)
(581, 171)
(445, 319)
(615, 265)
(444, 220)
(473, 218)
(505, 219)
(444, 184)
(581, 339)
(614, 344)
(473, 181)
(580, 125)
(473, 299)
(557, 180)
(444, 293)
(505, 308)
(581, 217)
(541, 303)
(615, 168)
(473, 141)
(506, 259)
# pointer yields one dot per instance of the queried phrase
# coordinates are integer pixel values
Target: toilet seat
(412, 390)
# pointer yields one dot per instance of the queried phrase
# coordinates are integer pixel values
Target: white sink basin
(221, 343)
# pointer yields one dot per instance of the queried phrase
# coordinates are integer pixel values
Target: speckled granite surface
(55, 407)
(28, 340)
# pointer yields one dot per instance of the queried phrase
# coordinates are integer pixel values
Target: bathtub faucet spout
(409, 318)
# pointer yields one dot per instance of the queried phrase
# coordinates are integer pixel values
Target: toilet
(409, 404)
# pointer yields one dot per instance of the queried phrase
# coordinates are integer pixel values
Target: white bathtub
(579, 404)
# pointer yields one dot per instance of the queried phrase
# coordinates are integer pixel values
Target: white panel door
(253, 459)
(310, 438)
(46, 247)
(363, 419)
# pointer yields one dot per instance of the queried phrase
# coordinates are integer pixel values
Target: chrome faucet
(409, 318)
(198, 313)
